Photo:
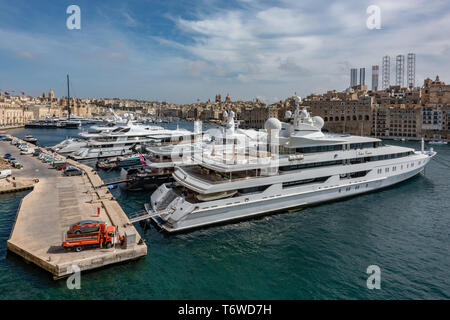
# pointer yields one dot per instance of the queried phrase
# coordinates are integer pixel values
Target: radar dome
(272, 124)
(318, 122)
(231, 114)
(288, 114)
(225, 114)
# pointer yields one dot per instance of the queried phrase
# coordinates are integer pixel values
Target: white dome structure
(288, 114)
(272, 124)
(318, 122)
(225, 114)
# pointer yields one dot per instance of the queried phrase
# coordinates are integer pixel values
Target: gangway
(112, 181)
(144, 214)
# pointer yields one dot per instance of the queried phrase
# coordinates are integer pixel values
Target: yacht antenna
(68, 98)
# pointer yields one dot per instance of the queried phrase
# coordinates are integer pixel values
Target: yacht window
(304, 181)
(253, 190)
(310, 165)
(361, 145)
(319, 149)
(356, 174)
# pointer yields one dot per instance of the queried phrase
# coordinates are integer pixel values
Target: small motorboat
(30, 139)
(118, 162)
(437, 142)
(107, 164)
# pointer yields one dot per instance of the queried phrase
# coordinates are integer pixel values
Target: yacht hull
(282, 202)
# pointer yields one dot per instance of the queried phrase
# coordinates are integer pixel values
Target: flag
(143, 161)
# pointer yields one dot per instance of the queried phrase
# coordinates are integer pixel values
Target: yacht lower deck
(277, 198)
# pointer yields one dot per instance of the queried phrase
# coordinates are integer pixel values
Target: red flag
(143, 161)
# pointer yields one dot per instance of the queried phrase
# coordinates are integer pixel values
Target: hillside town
(393, 113)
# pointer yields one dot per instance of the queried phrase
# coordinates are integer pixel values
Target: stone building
(255, 117)
(343, 113)
(436, 92)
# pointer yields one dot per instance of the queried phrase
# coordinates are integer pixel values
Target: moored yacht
(162, 159)
(122, 141)
(299, 166)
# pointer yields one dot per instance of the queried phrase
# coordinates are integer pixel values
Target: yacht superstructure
(299, 166)
(162, 158)
(122, 140)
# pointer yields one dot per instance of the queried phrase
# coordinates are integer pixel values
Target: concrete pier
(54, 204)
(10, 185)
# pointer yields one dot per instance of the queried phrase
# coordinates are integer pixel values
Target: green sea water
(321, 252)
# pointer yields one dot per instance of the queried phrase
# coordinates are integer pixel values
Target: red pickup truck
(105, 236)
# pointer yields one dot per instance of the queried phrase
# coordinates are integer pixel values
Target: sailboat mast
(68, 98)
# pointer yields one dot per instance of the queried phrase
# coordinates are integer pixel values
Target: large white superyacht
(122, 140)
(301, 166)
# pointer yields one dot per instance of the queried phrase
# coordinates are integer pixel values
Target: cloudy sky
(181, 51)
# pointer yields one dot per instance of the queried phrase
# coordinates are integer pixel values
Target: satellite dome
(225, 114)
(318, 122)
(231, 114)
(297, 99)
(272, 124)
(288, 114)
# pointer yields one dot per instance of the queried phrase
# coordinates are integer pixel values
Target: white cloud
(252, 49)
(26, 55)
(283, 44)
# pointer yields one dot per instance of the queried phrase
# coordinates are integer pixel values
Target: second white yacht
(123, 140)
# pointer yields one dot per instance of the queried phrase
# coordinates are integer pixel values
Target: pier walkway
(55, 203)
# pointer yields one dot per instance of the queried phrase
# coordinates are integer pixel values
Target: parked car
(85, 226)
(16, 164)
(73, 171)
(36, 153)
(7, 156)
(27, 151)
(5, 173)
(61, 167)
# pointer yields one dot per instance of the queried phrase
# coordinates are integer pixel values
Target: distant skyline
(181, 51)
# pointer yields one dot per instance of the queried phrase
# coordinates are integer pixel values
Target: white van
(5, 173)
